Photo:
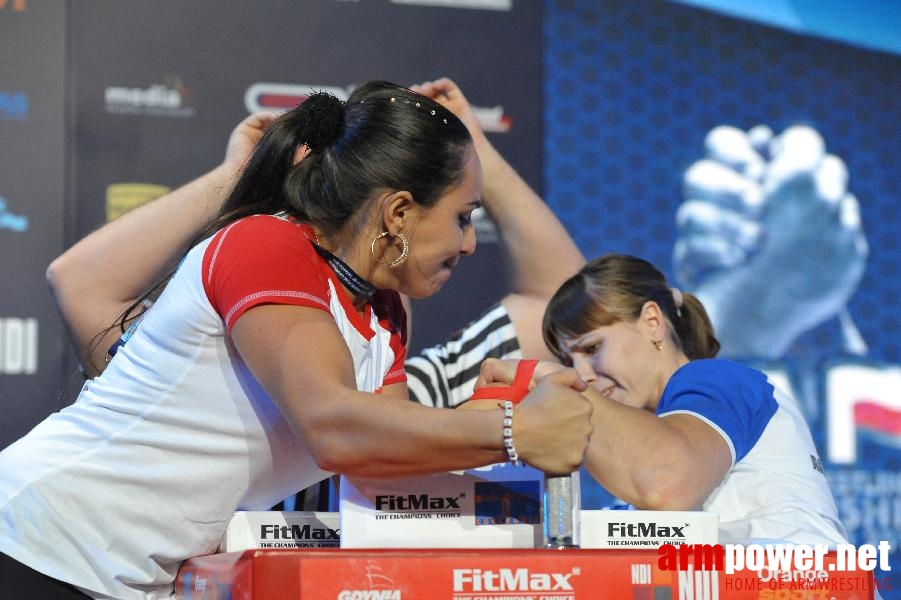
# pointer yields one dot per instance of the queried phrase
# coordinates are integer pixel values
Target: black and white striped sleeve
(444, 375)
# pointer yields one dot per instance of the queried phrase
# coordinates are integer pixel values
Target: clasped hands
(552, 424)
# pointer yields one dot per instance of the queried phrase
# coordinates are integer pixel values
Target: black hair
(384, 138)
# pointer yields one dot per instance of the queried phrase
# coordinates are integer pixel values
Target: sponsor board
(281, 529)
(598, 528)
(486, 574)
(493, 118)
(647, 528)
(18, 346)
(280, 97)
(123, 197)
(10, 220)
(498, 506)
(13, 106)
(861, 400)
(168, 99)
(13, 5)
(504, 5)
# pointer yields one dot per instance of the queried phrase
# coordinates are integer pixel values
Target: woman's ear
(652, 321)
(398, 210)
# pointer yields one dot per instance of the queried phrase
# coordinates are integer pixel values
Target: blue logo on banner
(13, 106)
(10, 221)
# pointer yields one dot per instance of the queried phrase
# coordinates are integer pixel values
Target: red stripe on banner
(280, 100)
(880, 418)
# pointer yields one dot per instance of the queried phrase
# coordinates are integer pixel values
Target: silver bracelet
(508, 434)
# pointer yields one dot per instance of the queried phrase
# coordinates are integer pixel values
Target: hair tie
(323, 121)
(677, 300)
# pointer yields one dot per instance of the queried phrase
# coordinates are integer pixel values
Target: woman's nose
(469, 241)
(583, 367)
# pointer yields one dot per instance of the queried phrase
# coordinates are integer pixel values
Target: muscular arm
(541, 254)
(348, 433)
(99, 277)
(668, 463)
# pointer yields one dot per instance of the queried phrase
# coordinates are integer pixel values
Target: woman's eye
(465, 219)
(592, 348)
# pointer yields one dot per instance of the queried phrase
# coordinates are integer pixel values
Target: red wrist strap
(515, 392)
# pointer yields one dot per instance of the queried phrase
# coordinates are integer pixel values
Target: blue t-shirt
(701, 387)
(775, 489)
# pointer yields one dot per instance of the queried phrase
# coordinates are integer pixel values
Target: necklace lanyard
(358, 286)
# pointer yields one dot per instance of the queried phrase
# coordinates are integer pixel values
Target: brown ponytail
(614, 288)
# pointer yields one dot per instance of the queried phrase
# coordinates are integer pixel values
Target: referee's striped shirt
(444, 375)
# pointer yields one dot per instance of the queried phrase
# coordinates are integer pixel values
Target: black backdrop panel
(32, 152)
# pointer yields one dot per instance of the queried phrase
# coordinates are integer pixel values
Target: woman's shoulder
(265, 223)
(259, 246)
(255, 234)
(717, 372)
(717, 365)
(737, 398)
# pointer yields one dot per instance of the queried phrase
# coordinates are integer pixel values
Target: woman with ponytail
(271, 358)
(676, 428)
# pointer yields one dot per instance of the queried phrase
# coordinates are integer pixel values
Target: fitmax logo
(417, 502)
(645, 530)
(511, 580)
(297, 532)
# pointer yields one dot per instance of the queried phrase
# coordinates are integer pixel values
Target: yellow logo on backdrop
(123, 197)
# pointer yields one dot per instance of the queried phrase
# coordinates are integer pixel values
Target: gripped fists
(552, 425)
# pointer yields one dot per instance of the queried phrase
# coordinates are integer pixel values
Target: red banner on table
(343, 574)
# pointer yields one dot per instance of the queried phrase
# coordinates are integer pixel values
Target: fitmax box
(498, 506)
(281, 529)
(647, 529)
(626, 529)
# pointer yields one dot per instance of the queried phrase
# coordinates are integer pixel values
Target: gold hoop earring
(404, 253)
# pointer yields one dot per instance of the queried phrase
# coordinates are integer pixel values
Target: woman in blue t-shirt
(676, 428)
